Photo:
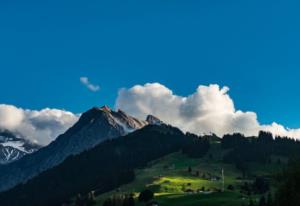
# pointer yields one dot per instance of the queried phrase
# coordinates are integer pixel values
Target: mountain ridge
(94, 126)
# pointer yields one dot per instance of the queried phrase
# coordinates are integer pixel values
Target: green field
(174, 185)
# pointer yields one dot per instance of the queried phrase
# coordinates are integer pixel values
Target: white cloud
(41, 126)
(85, 81)
(10, 116)
(209, 109)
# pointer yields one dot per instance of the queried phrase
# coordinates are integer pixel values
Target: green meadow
(178, 180)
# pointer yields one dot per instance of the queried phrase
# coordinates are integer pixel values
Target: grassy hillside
(175, 184)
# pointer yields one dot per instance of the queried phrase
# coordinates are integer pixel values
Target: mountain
(102, 168)
(93, 127)
(162, 159)
(13, 147)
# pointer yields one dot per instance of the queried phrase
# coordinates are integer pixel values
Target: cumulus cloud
(41, 126)
(92, 87)
(209, 109)
(10, 116)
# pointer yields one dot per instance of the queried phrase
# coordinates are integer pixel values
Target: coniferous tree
(270, 200)
(251, 203)
(262, 201)
(131, 200)
(288, 193)
(108, 202)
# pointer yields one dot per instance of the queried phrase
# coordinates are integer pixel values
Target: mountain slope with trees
(250, 166)
(102, 168)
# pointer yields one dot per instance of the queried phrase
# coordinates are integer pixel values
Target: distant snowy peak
(19, 145)
(13, 147)
(10, 154)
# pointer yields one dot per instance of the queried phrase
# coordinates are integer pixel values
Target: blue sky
(250, 46)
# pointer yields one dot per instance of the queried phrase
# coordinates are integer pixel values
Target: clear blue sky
(250, 46)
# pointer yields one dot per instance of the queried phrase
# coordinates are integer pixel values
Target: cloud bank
(209, 109)
(85, 81)
(40, 127)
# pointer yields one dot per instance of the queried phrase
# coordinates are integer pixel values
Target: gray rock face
(13, 148)
(153, 120)
(93, 127)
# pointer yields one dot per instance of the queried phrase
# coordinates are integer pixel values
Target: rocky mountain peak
(106, 108)
(153, 120)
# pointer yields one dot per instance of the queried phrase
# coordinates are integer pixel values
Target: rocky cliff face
(153, 120)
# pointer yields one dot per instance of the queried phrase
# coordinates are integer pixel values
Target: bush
(230, 187)
(146, 196)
